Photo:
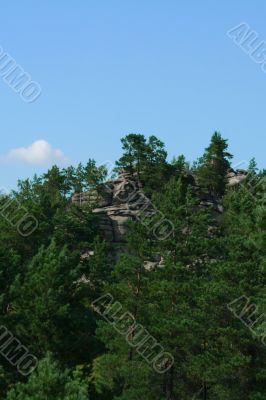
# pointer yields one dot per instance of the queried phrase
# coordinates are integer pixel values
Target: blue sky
(111, 67)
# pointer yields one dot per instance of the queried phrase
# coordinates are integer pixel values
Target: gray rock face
(122, 199)
(208, 201)
(118, 201)
(236, 177)
(92, 197)
(151, 265)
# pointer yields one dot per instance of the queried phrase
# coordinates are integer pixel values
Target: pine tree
(135, 153)
(122, 372)
(146, 158)
(214, 165)
(50, 382)
(50, 307)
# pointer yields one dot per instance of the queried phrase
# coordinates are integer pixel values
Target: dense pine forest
(173, 310)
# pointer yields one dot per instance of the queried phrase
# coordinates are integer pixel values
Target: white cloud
(39, 152)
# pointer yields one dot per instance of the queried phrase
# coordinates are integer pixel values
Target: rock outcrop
(236, 177)
(120, 200)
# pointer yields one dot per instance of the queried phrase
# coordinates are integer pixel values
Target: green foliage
(214, 165)
(49, 302)
(146, 158)
(50, 382)
(49, 280)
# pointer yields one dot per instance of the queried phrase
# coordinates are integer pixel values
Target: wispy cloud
(39, 152)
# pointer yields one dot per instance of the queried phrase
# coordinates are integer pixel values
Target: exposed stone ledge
(120, 200)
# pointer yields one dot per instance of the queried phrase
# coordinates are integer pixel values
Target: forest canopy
(199, 316)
